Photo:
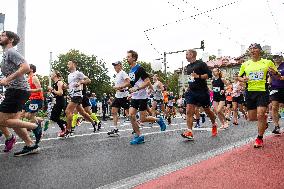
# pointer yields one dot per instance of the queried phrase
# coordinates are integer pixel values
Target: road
(92, 160)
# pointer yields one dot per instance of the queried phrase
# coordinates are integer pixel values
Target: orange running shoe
(188, 135)
(258, 143)
(214, 129)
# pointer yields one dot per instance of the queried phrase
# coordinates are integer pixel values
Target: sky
(108, 28)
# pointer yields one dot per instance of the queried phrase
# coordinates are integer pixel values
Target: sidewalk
(244, 168)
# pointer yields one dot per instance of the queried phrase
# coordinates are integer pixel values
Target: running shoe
(276, 130)
(99, 125)
(68, 134)
(45, 125)
(214, 129)
(9, 144)
(38, 132)
(258, 143)
(269, 120)
(162, 124)
(61, 133)
(27, 150)
(197, 125)
(202, 118)
(113, 133)
(235, 123)
(137, 140)
(188, 135)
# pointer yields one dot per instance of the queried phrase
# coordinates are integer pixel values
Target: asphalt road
(91, 160)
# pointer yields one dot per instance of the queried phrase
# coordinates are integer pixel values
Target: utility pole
(21, 26)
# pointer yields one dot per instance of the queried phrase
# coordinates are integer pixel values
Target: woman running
(218, 86)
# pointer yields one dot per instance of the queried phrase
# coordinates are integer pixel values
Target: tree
(92, 67)
(44, 80)
(172, 83)
(212, 57)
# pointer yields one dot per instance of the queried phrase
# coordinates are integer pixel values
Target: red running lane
(244, 168)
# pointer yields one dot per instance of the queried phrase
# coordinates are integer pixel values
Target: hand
(133, 89)
(245, 79)
(4, 81)
(222, 92)
(194, 75)
(77, 84)
(49, 88)
(272, 71)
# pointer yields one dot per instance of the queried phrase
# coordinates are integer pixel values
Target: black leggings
(55, 115)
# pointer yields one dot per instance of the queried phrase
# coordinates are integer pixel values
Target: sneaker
(68, 134)
(214, 130)
(162, 124)
(99, 125)
(45, 125)
(38, 132)
(188, 135)
(269, 120)
(27, 150)
(113, 132)
(258, 143)
(202, 118)
(137, 140)
(61, 133)
(197, 125)
(9, 144)
(276, 130)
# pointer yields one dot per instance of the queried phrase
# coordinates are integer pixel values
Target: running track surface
(244, 167)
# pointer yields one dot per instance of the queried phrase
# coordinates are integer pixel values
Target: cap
(255, 45)
(278, 54)
(116, 63)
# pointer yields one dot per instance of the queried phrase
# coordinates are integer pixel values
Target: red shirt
(34, 95)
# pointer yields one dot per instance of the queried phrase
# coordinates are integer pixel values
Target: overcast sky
(108, 28)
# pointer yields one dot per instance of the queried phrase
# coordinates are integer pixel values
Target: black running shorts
(86, 102)
(198, 98)
(139, 104)
(77, 99)
(120, 103)
(256, 99)
(14, 100)
(277, 95)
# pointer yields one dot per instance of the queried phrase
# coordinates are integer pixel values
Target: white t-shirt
(73, 79)
(119, 80)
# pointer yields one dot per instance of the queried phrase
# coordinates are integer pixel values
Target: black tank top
(59, 98)
(217, 85)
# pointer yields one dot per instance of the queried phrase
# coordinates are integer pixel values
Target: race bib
(256, 75)
(216, 89)
(190, 79)
(132, 76)
(33, 107)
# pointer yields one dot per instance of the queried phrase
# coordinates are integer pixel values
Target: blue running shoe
(162, 124)
(38, 132)
(137, 140)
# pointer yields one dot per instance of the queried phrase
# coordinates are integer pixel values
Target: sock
(259, 137)
(94, 117)
(74, 120)
(197, 121)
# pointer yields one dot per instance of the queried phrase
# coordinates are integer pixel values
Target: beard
(3, 43)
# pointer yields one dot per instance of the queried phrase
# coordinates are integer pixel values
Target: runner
(277, 92)
(58, 105)
(14, 67)
(170, 107)
(218, 86)
(198, 92)
(157, 104)
(76, 80)
(180, 103)
(122, 81)
(238, 99)
(254, 72)
(139, 80)
(229, 101)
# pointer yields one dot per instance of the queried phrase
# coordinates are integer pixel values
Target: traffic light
(202, 45)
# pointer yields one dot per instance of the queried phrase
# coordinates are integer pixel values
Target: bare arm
(37, 84)
(23, 69)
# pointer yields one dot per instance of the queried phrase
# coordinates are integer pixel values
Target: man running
(76, 80)
(139, 81)
(14, 67)
(157, 103)
(277, 92)
(197, 93)
(255, 72)
(122, 81)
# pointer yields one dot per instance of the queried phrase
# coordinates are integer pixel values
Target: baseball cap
(116, 63)
(255, 45)
(278, 54)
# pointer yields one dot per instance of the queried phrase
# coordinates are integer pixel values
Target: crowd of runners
(255, 93)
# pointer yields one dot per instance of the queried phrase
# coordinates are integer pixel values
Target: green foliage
(172, 83)
(92, 67)
(212, 57)
(44, 81)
